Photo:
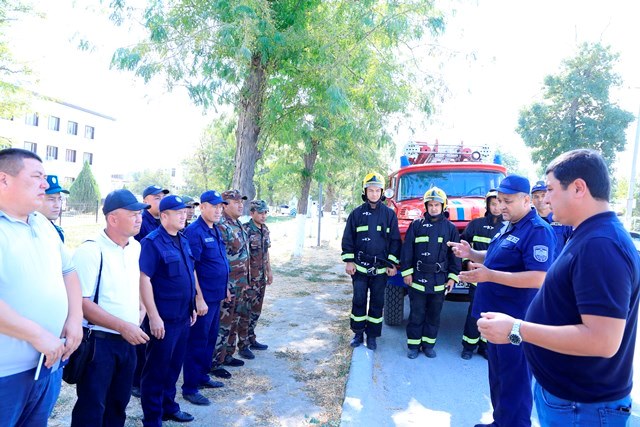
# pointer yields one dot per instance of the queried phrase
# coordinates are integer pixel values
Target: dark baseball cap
(212, 197)
(233, 195)
(122, 199)
(153, 189)
(172, 203)
(259, 206)
(514, 184)
(190, 201)
(539, 186)
(54, 185)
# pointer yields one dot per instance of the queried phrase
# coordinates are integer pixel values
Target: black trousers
(471, 336)
(369, 288)
(105, 389)
(424, 318)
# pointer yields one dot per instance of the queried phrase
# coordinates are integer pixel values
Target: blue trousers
(28, 403)
(362, 320)
(556, 412)
(105, 389)
(510, 385)
(164, 359)
(424, 318)
(200, 348)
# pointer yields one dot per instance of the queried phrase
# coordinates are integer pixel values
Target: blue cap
(212, 197)
(153, 189)
(172, 203)
(122, 199)
(514, 184)
(54, 185)
(539, 186)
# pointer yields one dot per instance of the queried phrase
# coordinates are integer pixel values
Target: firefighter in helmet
(479, 233)
(429, 269)
(371, 250)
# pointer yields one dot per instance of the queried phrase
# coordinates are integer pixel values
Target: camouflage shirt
(259, 244)
(236, 240)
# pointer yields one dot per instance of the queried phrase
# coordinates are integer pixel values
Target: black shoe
(135, 392)
(220, 372)
(371, 343)
(483, 352)
(197, 399)
(429, 352)
(245, 353)
(179, 417)
(485, 425)
(211, 384)
(357, 340)
(467, 354)
(232, 361)
(257, 346)
(413, 353)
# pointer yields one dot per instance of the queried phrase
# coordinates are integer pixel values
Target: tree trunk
(303, 202)
(248, 131)
(329, 198)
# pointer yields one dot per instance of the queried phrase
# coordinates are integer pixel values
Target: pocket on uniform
(556, 403)
(171, 260)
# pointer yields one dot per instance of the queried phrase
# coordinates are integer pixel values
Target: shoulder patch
(541, 253)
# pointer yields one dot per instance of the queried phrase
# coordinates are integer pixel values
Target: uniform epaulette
(153, 235)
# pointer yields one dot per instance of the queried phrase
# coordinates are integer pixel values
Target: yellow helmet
(437, 195)
(372, 180)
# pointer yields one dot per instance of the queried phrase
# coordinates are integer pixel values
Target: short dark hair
(12, 160)
(585, 164)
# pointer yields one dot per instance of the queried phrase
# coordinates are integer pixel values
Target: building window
(173, 172)
(52, 152)
(54, 123)
(88, 132)
(71, 156)
(31, 146)
(72, 128)
(88, 157)
(31, 119)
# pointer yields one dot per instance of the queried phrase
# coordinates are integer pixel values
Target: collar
(593, 221)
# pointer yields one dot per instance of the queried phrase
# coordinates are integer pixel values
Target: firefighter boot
(371, 343)
(357, 339)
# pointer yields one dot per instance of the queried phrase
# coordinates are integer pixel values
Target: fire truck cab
(462, 172)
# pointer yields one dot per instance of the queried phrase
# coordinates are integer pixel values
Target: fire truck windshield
(456, 183)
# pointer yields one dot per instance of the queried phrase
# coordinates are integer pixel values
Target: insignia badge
(541, 253)
(488, 227)
(366, 213)
(423, 281)
(425, 253)
(515, 239)
(366, 239)
(426, 224)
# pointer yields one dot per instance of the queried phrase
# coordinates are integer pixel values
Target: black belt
(107, 335)
(435, 268)
(373, 261)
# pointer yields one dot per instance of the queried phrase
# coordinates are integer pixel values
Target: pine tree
(85, 193)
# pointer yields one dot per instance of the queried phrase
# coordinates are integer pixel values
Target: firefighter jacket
(259, 244)
(426, 256)
(236, 241)
(371, 239)
(480, 231)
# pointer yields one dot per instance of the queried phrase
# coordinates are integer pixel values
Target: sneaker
(232, 361)
(220, 372)
(135, 392)
(413, 353)
(257, 346)
(429, 352)
(466, 354)
(357, 340)
(246, 353)
(371, 343)
(197, 399)
(211, 384)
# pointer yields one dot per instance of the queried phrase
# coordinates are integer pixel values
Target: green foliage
(84, 192)
(147, 177)
(211, 166)
(577, 112)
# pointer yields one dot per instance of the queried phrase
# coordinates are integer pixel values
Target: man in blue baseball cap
(168, 291)
(538, 192)
(509, 274)
(562, 232)
(212, 274)
(52, 204)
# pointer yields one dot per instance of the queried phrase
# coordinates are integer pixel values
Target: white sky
(515, 44)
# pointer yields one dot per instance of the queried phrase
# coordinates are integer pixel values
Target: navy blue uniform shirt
(598, 273)
(170, 267)
(527, 245)
(210, 254)
(149, 223)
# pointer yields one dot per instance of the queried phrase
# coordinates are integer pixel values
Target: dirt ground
(301, 378)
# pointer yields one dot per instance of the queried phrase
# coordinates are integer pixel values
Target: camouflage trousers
(231, 313)
(258, 288)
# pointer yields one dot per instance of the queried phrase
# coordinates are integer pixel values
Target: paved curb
(358, 390)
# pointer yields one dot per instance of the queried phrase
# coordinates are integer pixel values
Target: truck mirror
(388, 193)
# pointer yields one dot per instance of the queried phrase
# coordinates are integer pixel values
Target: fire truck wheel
(394, 305)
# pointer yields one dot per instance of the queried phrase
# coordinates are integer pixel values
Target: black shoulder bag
(74, 370)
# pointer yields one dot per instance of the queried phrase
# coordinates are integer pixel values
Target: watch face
(515, 339)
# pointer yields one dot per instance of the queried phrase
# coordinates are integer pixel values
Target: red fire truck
(463, 172)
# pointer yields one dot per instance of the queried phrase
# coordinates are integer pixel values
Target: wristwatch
(514, 337)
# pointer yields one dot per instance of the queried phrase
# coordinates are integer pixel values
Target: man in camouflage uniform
(235, 310)
(260, 269)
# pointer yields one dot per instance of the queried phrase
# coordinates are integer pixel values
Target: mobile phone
(41, 368)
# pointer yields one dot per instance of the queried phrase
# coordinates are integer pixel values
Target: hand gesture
(461, 250)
